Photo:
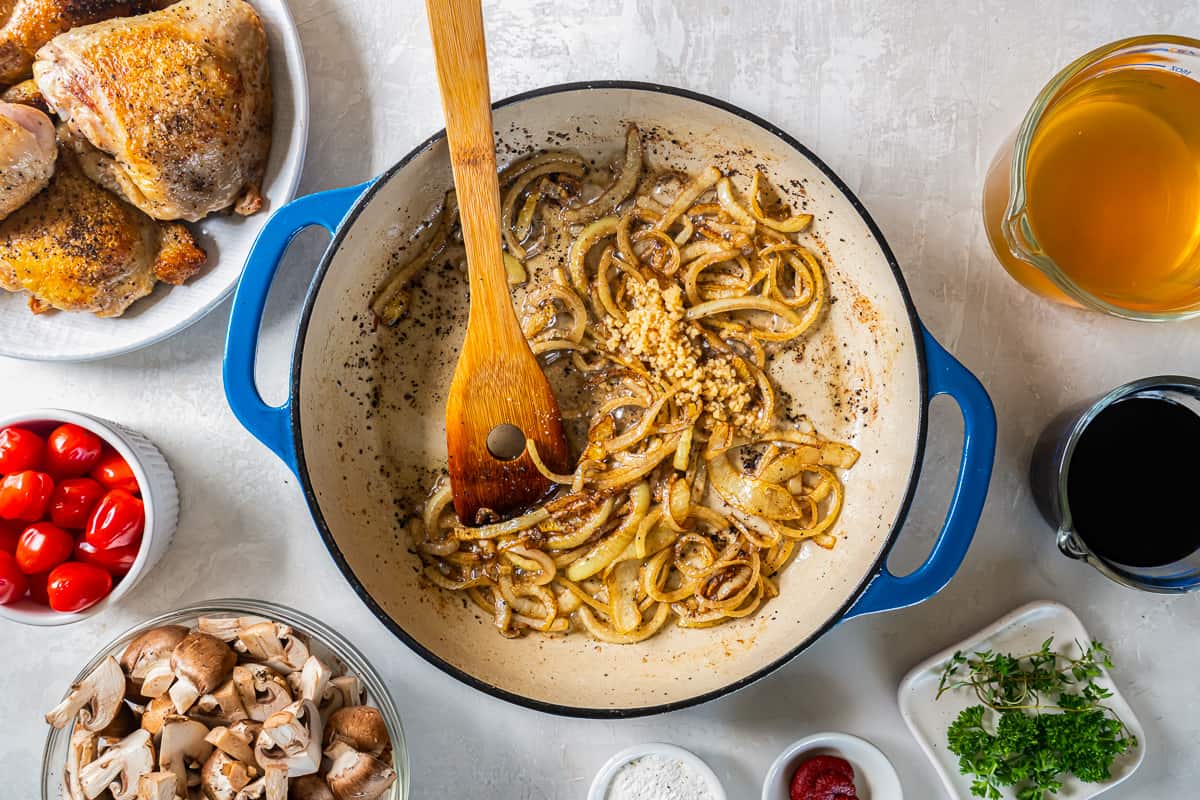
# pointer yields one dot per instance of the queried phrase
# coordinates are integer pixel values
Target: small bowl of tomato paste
(832, 766)
(87, 507)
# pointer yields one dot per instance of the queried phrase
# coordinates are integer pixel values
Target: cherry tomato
(117, 560)
(118, 521)
(73, 586)
(72, 451)
(13, 583)
(73, 501)
(24, 495)
(42, 547)
(20, 450)
(113, 472)
(10, 532)
(37, 588)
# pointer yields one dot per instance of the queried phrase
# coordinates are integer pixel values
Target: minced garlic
(657, 333)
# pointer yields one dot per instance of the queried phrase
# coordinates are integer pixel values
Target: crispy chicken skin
(25, 93)
(26, 25)
(78, 247)
(172, 110)
(27, 154)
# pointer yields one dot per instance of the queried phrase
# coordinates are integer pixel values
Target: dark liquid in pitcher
(1134, 483)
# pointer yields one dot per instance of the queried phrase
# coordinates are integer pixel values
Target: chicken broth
(1111, 192)
(1114, 188)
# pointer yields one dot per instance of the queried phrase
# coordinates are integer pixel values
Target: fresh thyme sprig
(1032, 746)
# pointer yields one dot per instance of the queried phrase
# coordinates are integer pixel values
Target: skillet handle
(946, 376)
(271, 425)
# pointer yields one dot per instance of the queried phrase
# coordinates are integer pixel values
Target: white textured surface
(907, 101)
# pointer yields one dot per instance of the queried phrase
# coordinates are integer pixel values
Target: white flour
(657, 778)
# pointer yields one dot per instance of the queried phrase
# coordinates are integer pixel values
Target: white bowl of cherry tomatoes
(86, 508)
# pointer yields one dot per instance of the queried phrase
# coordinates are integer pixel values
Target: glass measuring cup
(1010, 188)
(1051, 465)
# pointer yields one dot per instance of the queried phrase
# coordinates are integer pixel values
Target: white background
(907, 101)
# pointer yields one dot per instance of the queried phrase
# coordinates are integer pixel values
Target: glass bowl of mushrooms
(227, 700)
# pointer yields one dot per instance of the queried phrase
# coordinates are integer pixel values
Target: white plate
(1022, 631)
(874, 776)
(59, 336)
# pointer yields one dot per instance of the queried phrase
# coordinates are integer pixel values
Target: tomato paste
(824, 778)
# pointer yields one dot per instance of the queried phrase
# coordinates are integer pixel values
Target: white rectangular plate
(1022, 631)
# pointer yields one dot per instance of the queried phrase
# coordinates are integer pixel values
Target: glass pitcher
(1041, 197)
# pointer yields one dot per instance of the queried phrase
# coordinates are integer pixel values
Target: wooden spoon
(498, 382)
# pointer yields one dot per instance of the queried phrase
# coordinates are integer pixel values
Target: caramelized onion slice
(751, 495)
(623, 585)
(588, 238)
(793, 224)
(607, 549)
(622, 187)
(606, 633)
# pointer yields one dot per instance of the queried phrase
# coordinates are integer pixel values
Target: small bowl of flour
(656, 772)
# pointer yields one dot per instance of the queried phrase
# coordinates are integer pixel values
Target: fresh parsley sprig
(1047, 719)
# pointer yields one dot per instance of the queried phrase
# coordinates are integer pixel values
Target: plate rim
(297, 71)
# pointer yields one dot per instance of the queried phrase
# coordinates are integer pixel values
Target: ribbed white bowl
(159, 494)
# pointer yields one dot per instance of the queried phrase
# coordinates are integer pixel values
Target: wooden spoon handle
(457, 30)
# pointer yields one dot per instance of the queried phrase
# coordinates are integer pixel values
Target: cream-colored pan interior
(371, 405)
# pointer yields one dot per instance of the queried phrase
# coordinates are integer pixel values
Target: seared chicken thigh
(27, 153)
(25, 93)
(78, 247)
(26, 25)
(172, 110)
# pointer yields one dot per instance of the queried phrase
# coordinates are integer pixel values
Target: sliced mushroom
(239, 773)
(201, 663)
(361, 727)
(158, 679)
(277, 646)
(313, 682)
(253, 791)
(119, 769)
(226, 628)
(96, 699)
(333, 751)
(157, 710)
(236, 745)
(82, 752)
(269, 717)
(291, 738)
(157, 786)
(222, 706)
(147, 659)
(183, 745)
(344, 690)
(271, 786)
(123, 723)
(246, 729)
(276, 779)
(359, 776)
(263, 691)
(350, 688)
(104, 743)
(223, 776)
(310, 787)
